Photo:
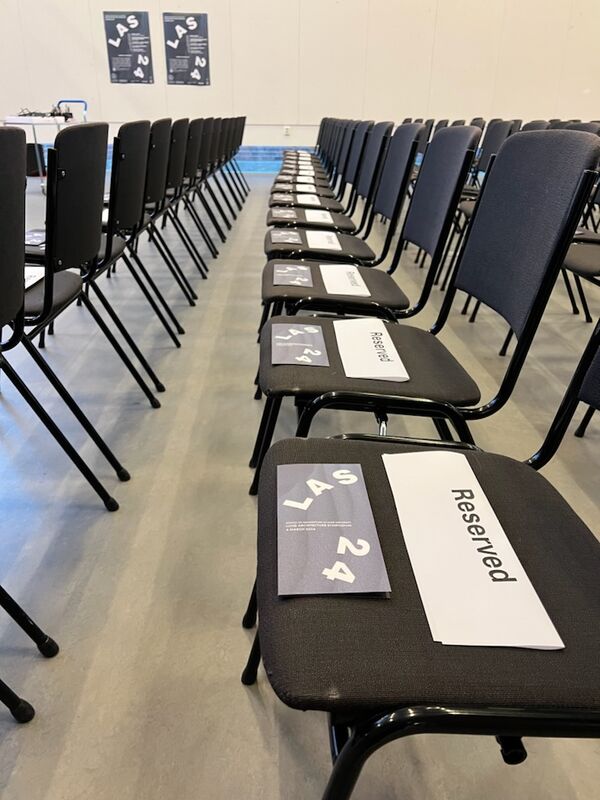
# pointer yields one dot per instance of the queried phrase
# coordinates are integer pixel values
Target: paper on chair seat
(473, 587)
(284, 213)
(312, 215)
(309, 188)
(285, 236)
(285, 197)
(322, 240)
(367, 350)
(343, 279)
(310, 200)
(305, 179)
(298, 344)
(291, 275)
(33, 275)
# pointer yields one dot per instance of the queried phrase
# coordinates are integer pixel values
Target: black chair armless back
(587, 127)
(424, 136)
(206, 144)
(441, 123)
(479, 122)
(177, 146)
(13, 168)
(132, 145)
(496, 133)
(396, 167)
(347, 136)
(192, 153)
(158, 159)
(436, 185)
(535, 125)
(356, 150)
(76, 176)
(522, 219)
(458, 122)
(406, 121)
(215, 143)
(372, 158)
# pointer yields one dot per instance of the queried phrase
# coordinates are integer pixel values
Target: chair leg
(253, 663)
(189, 245)
(465, 308)
(264, 422)
(211, 216)
(217, 205)
(109, 502)
(263, 318)
(258, 392)
(152, 302)
(582, 298)
(272, 407)
(189, 207)
(582, 427)
(224, 196)
(75, 409)
(504, 348)
(249, 618)
(154, 402)
(173, 266)
(574, 307)
(473, 316)
(42, 339)
(47, 646)
(443, 430)
(158, 385)
(21, 710)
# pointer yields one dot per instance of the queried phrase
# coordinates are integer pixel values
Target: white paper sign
(305, 179)
(33, 275)
(343, 279)
(310, 200)
(367, 350)
(323, 240)
(473, 587)
(305, 187)
(318, 216)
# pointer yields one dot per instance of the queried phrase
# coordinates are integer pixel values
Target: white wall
(290, 62)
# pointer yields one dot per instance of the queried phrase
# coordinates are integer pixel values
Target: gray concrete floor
(144, 700)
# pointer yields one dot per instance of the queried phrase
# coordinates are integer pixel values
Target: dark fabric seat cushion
(434, 372)
(340, 221)
(352, 248)
(34, 254)
(467, 207)
(384, 289)
(66, 287)
(584, 259)
(586, 235)
(301, 188)
(296, 170)
(289, 199)
(352, 654)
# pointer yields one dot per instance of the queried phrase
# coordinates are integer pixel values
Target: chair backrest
(356, 150)
(424, 136)
(192, 153)
(437, 185)
(215, 144)
(158, 160)
(561, 124)
(177, 146)
(441, 123)
(372, 158)
(406, 121)
(479, 122)
(419, 119)
(396, 169)
(459, 122)
(206, 144)
(536, 125)
(76, 176)
(13, 168)
(131, 144)
(516, 125)
(515, 241)
(588, 127)
(495, 135)
(346, 139)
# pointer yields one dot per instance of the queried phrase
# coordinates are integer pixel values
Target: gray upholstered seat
(339, 222)
(353, 654)
(384, 289)
(66, 288)
(583, 258)
(434, 372)
(287, 199)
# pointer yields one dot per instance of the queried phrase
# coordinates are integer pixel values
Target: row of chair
(371, 663)
(159, 171)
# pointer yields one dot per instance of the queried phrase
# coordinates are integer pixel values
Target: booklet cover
(474, 589)
(286, 236)
(298, 344)
(327, 542)
(292, 275)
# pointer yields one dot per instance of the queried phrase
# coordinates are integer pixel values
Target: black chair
(536, 125)
(366, 185)
(426, 224)
(353, 248)
(371, 663)
(516, 244)
(459, 123)
(589, 127)
(12, 295)
(479, 122)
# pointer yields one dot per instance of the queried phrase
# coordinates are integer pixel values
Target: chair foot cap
(48, 648)
(123, 475)
(155, 403)
(23, 712)
(111, 504)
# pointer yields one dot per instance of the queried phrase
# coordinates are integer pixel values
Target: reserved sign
(327, 542)
(343, 279)
(298, 344)
(312, 215)
(323, 240)
(367, 350)
(473, 587)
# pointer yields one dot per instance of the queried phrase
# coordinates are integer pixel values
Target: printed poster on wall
(128, 45)
(186, 49)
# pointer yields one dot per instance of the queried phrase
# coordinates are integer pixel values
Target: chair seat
(296, 170)
(340, 222)
(384, 289)
(351, 248)
(586, 235)
(353, 654)
(292, 177)
(66, 287)
(434, 372)
(302, 188)
(289, 199)
(583, 259)
(467, 207)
